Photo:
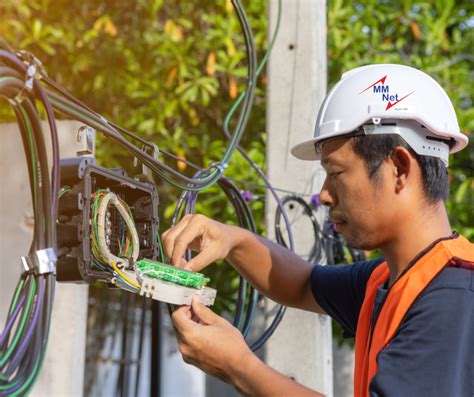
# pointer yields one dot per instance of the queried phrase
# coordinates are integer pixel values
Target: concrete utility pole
(301, 347)
(63, 370)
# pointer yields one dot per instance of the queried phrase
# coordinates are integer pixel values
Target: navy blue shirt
(432, 353)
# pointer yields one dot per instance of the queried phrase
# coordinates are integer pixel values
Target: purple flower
(247, 195)
(315, 200)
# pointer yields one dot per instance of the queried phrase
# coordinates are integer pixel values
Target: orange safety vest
(401, 296)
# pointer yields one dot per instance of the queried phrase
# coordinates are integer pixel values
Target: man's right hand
(269, 267)
(213, 240)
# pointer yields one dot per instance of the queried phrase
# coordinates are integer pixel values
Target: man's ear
(402, 163)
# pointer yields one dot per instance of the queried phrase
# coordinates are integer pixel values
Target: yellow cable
(124, 276)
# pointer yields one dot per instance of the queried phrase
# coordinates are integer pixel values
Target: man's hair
(375, 149)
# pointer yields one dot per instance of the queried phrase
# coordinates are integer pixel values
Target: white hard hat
(388, 99)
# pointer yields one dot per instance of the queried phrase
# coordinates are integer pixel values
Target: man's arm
(214, 345)
(272, 269)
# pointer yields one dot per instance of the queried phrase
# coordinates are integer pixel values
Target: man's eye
(334, 174)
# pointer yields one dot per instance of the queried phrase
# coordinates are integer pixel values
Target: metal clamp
(27, 87)
(86, 136)
(103, 119)
(220, 167)
(43, 262)
(30, 59)
(46, 261)
(33, 71)
(26, 266)
(156, 152)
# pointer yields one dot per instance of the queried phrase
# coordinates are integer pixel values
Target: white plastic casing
(167, 292)
(176, 294)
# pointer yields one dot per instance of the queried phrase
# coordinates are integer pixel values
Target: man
(383, 135)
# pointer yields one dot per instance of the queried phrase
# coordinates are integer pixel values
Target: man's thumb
(204, 314)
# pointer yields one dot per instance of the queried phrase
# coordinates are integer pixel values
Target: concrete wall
(301, 347)
(343, 357)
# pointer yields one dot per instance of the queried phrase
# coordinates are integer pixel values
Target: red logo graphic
(389, 104)
(384, 90)
(382, 80)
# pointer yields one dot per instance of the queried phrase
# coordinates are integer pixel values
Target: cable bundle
(65, 103)
(327, 242)
(316, 253)
(128, 244)
(336, 248)
(24, 338)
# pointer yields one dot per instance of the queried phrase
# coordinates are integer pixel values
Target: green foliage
(168, 71)
(434, 36)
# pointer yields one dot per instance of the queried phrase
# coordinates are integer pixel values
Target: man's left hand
(208, 341)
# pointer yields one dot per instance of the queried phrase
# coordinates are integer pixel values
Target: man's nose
(324, 195)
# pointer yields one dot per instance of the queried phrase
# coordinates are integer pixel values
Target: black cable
(270, 330)
(316, 253)
(31, 340)
(50, 213)
(161, 170)
(336, 249)
(143, 312)
(241, 294)
(246, 221)
(155, 355)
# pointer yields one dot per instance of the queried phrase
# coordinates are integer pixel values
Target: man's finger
(182, 321)
(204, 314)
(169, 237)
(183, 222)
(182, 242)
(204, 258)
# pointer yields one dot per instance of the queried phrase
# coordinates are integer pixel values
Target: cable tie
(221, 167)
(103, 119)
(26, 267)
(30, 60)
(156, 151)
(31, 74)
(20, 97)
(46, 261)
(43, 262)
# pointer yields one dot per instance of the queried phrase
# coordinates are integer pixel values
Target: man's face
(363, 210)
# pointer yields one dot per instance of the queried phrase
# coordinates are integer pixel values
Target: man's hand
(208, 341)
(213, 240)
(212, 344)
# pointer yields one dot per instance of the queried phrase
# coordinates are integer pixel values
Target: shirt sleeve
(340, 291)
(431, 354)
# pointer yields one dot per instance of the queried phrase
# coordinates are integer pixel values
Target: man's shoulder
(450, 291)
(453, 278)
(356, 274)
(433, 333)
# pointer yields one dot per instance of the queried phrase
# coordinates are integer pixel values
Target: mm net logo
(379, 87)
